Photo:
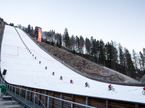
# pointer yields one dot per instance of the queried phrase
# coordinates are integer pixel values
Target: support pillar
(45, 98)
(48, 102)
(61, 100)
(87, 101)
(72, 101)
(34, 102)
(25, 95)
(136, 105)
(106, 103)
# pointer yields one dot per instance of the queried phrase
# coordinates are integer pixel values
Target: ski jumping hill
(21, 57)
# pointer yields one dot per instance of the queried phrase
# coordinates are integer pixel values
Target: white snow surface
(23, 69)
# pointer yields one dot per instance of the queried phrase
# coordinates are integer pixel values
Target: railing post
(12, 89)
(15, 90)
(47, 101)
(106, 103)
(25, 95)
(28, 94)
(136, 105)
(34, 102)
(72, 101)
(9, 88)
(19, 92)
(87, 101)
(45, 98)
(61, 101)
(71, 105)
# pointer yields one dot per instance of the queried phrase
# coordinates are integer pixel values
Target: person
(86, 84)
(52, 73)
(110, 86)
(45, 67)
(144, 88)
(71, 81)
(60, 77)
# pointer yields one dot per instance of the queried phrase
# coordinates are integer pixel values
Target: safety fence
(35, 99)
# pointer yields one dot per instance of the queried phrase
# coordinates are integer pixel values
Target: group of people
(110, 86)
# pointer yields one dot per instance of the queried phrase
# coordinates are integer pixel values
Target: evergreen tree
(72, 43)
(115, 56)
(11, 24)
(102, 57)
(29, 28)
(87, 46)
(109, 54)
(144, 58)
(142, 62)
(129, 63)
(81, 45)
(92, 48)
(66, 39)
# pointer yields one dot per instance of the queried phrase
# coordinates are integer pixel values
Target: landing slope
(24, 69)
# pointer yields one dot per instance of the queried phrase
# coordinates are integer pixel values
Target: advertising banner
(39, 34)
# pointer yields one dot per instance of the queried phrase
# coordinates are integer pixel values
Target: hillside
(85, 67)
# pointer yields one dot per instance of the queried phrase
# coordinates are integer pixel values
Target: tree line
(108, 54)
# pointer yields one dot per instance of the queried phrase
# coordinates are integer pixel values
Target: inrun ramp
(23, 69)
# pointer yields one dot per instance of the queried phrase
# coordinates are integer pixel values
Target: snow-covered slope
(24, 69)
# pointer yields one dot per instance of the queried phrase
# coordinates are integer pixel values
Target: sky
(121, 21)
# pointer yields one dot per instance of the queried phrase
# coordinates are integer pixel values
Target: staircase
(8, 102)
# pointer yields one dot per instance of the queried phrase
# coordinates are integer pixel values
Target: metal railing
(33, 99)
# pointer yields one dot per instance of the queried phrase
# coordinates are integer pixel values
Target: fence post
(15, 90)
(25, 95)
(61, 100)
(12, 89)
(47, 101)
(87, 101)
(34, 102)
(45, 98)
(9, 88)
(19, 92)
(106, 103)
(71, 105)
(136, 105)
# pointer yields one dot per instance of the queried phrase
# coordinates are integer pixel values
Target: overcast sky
(122, 21)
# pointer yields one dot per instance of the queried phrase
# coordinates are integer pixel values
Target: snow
(23, 69)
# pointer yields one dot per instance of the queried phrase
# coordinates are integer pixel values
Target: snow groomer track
(21, 57)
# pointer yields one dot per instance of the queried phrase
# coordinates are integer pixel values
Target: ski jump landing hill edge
(23, 69)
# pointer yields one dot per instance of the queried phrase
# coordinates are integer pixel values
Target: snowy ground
(24, 69)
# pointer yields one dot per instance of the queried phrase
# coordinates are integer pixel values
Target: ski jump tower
(38, 33)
